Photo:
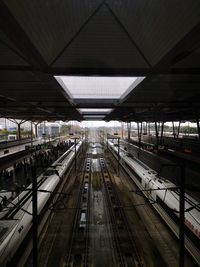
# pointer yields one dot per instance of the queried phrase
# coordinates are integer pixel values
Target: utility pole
(182, 218)
(118, 153)
(35, 216)
(75, 156)
(181, 212)
(34, 207)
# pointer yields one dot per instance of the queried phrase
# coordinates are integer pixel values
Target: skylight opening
(78, 87)
(95, 110)
(94, 116)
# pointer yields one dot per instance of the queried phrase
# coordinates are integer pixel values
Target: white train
(16, 219)
(165, 201)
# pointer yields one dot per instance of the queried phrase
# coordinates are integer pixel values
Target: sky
(118, 124)
(90, 123)
(100, 123)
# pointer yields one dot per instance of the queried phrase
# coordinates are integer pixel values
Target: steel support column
(118, 155)
(36, 129)
(19, 131)
(178, 130)
(198, 127)
(129, 131)
(161, 134)
(75, 157)
(107, 141)
(157, 134)
(139, 127)
(35, 216)
(173, 127)
(182, 219)
(122, 130)
(149, 131)
(129, 134)
(197, 121)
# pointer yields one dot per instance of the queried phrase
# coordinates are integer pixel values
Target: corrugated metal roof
(50, 25)
(156, 26)
(102, 43)
(8, 57)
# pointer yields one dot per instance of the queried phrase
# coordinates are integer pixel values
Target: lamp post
(181, 210)
(182, 218)
(35, 216)
(75, 158)
(118, 155)
(75, 152)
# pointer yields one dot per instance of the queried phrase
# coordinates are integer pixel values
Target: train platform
(13, 148)
(185, 153)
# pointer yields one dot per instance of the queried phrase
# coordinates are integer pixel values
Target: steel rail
(114, 204)
(84, 250)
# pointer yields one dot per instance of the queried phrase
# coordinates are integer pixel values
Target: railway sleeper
(80, 246)
(84, 199)
(77, 260)
(120, 225)
(125, 248)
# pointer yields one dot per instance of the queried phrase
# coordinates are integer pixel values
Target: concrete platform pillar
(36, 130)
(139, 127)
(14, 173)
(19, 131)
(157, 133)
(129, 131)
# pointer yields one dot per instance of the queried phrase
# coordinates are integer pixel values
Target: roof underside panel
(156, 26)
(26, 95)
(167, 97)
(51, 25)
(9, 53)
(190, 61)
(9, 57)
(99, 45)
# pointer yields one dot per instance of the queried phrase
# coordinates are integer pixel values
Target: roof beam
(17, 35)
(188, 44)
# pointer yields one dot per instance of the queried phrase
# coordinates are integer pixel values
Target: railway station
(99, 133)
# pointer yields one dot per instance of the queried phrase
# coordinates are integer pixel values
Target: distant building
(12, 126)
(50, 129)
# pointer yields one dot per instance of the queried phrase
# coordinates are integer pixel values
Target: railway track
(78, 250)
(126, 251)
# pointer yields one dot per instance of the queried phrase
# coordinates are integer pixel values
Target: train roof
(6, 227)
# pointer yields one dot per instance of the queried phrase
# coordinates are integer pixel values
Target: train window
(83, 219)
(20, 229)
(49, 172)
(132, 171)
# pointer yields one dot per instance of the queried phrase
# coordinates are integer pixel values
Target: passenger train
(164, 200)
(16, 218)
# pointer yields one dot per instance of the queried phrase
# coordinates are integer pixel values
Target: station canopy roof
(125, 60)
